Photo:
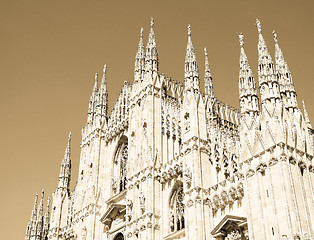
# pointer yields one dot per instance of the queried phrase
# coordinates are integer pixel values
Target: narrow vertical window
(177, 221)
(123, 161)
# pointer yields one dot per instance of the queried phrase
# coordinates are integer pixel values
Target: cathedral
(172, 162)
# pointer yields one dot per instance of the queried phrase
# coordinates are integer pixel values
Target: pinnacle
(191, 74)
(96, 82)
(306, 116)
(247, 86)
(206, 61)
(207, 76)
(151, 57)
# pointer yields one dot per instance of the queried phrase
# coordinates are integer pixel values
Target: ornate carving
(273, 161)
(114, 185)
(250, 173)
(261, 168)
(187, 175)
(142, 202)
(187, 125)
(176, 221)
(234, 234)
(292, 160)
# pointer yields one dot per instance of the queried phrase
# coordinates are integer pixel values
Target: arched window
(177, 209)
(123, 161)
(120, 166)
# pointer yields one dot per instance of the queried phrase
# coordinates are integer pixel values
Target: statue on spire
(151, 24)
(241, 39)
(189, 30)
(275, 37)
(258, 25)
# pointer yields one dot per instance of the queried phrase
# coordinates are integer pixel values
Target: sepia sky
(50, 50)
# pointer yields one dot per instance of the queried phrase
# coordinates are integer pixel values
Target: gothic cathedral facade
(171, 162)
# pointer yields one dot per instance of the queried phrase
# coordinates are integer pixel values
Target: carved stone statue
(142, 202)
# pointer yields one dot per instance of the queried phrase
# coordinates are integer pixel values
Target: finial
(275, 36)
(104, 69)
(241, 39)
(69, 139)
(205, 50)
(189, 30)
(142, 32)
(42, 193)
(151, 22)
(96, 76)
(258, 25)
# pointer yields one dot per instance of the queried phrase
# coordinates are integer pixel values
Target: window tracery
(177, 221)
(119, 177)
(123, 161)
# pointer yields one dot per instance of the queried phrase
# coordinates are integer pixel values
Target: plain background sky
(50, 50)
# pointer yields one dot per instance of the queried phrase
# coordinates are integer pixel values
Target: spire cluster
(98, 103)
(276, 93)
(38, 224)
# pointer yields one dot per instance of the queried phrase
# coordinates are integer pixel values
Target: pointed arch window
(177, 221)
(123, 161)
(120, 166)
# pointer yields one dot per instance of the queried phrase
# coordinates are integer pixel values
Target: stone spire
(28, 229)
(284, 77)
(151, 58)
(306, 116)
(247, 88)
(209, 87)
(191, 74)
(268, 83)
(40, 219)
(46, 220)
(34, 219)
(31, 225)
(93, 97)
(139, 66)
(101, 108)
(65, 169)
(41, 204)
